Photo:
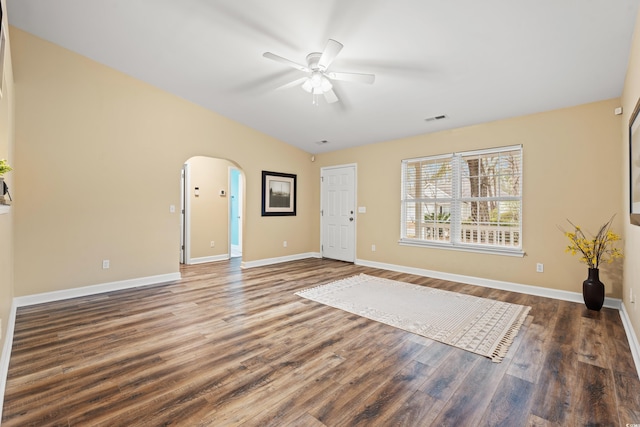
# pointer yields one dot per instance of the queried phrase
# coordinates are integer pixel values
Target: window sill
(4, 209)
(464, 248)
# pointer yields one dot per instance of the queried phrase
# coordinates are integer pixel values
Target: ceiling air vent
(434, 118)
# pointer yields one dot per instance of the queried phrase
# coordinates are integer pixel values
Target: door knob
(351, 219)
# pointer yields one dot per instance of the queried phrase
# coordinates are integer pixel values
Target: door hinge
(321, 212)
(322, 179)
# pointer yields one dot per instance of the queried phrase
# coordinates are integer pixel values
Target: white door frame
(185, 210)
(240, 212)
(355, 204)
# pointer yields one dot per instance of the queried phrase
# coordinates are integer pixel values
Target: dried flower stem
(595, 250)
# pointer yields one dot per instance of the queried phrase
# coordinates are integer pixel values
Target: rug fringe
(505, 343)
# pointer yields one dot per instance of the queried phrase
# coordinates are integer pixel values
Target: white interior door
(338, 220)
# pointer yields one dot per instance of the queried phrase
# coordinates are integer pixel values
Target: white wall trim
(205, 259)
(270, 261)
(632, 337)
(6, 353)
(489, 283)
(94, 289)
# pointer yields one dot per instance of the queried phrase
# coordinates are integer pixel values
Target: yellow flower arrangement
(595, 250)
(4, 167)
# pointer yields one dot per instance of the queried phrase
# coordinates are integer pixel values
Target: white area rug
(479, 325)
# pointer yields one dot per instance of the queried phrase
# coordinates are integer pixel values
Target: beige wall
(571, 159)
(6, 220)
(630, 96)
(209, 211)
(97, 150)
(98, 160)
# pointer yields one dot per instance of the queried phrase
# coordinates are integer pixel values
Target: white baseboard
(205, 259)
(6, 353)
(489, 283)
(94, 289)
(632, 337)
(270, 261)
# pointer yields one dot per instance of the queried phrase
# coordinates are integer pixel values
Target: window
(470, 200)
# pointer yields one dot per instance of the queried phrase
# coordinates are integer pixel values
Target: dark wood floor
(226, 346)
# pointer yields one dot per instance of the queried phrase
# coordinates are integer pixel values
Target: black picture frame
(279, 194)
(634, 166)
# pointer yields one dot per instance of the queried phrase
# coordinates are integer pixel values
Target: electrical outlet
(540, 267)
(284, 244)
(105, 264)
(213, 244)
(373, 248)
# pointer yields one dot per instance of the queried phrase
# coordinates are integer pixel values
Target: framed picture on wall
(278, 194)
(634, 166)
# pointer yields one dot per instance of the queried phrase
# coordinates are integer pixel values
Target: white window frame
(456, 202)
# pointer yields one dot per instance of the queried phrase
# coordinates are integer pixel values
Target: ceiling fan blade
(330, 52)
(330, 96)
(353, 77)
(296, 82)
(285, 61)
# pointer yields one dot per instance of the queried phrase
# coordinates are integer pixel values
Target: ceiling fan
(318, 78)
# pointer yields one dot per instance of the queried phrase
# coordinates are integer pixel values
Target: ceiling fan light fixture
(316, 79)
(307, 86)
(326, 85)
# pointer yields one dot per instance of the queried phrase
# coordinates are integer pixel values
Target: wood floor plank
(419, 409)
(232, 346)
(469, 402)
(511, 403)
(592, 348)
(528, 362)
(364, 381)
(628, 396)
(450, 375)
(620, 356)
(388, 398)
(596, 396)
(555, 394)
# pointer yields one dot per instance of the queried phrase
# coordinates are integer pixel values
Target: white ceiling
(474, 61)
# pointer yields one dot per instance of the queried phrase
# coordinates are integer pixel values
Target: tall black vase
(593, 290)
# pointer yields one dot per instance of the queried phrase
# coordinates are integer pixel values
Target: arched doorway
(211, 210)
